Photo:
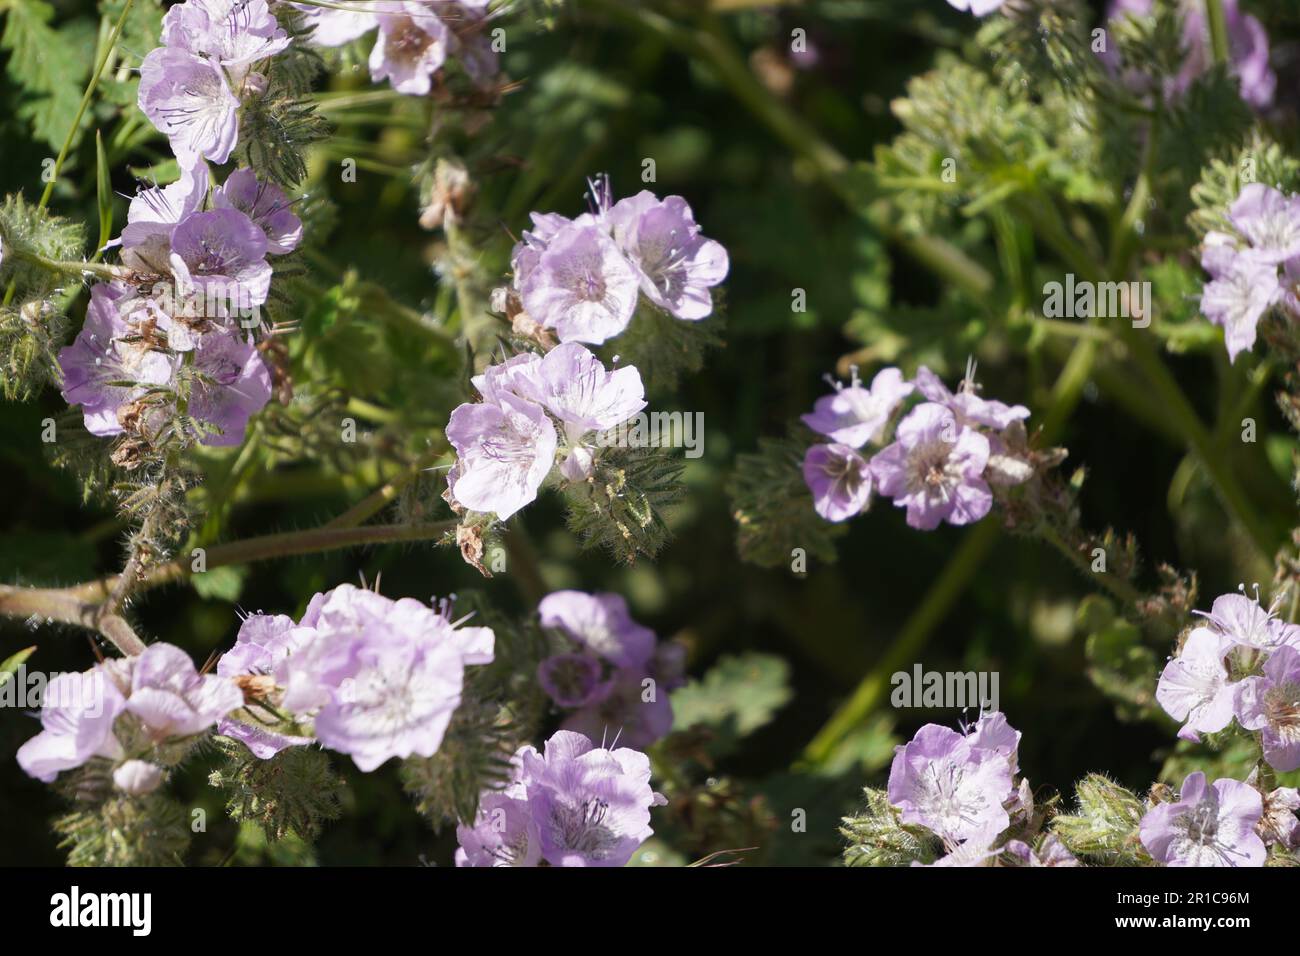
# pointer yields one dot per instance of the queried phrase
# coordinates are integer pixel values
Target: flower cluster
(612, 673)
(362, 674)
(1243, 663)
(192, 86)
(581, 277)
(574, 804)
(141, 713)
(945, 452)
(535, 410)
(416, 37)
(171, 342)
(961, 788)
(1247, 46)
(1244, 268)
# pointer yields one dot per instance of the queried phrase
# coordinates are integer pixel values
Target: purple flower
(572, 680)
(1194, 686)
(934, 469)
(155, 210)
(1271, 703)
(855, 415)
(265, 204)
(334, 26)
(382, 678)
(222, 253)
(980, 8)
(581, 285)
(633, 710)
(602, 624)
(104, 368)
(993, 732)
(188, 99)
(591, 805)
(504, 450)
(1209, 825)
(966, 403)
(676, 265)
(1051, 852)
(263, 642)
(1279, 823)
(172, 699)
(1243, 622)
(77, 716)
(942, 781)
(1247, 47)
(1238, 298)
(839, 479)
(1269, 221)
(234, 33)
(527, 252)
(231, 385)
(138, 777)
(412, 46)
(504, 832)
(574, 386)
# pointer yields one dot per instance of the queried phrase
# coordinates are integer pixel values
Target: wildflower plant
(307, 278)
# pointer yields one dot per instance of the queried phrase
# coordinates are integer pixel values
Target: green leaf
(739, 695)
(50, 66)
(104, 193)
(10, 665)
(220, 584)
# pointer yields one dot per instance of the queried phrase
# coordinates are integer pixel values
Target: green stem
(85, 102)
(709, 45)
(76, 268)
(1218, 22)
(951, 582)
(911, 639)
(76, 123)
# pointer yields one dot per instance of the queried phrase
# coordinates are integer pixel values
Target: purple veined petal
(602, 623)
(1269, 220)
(1194, 686)
(582, 286)
(840, 481)
(575, 387)
(676, 266)
(234, 33)
(265, 204)
(1208, 825)
(571, 680)
(504, 452)
(102, 370)
(934, 469)
(77, 716)
(189, 100)
(591, 805)
(332, 26)
(504, 832)
(233, 384)
(411, 47)
(222, 253)
(1239, 298)
(856, 415)
(939, 781)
